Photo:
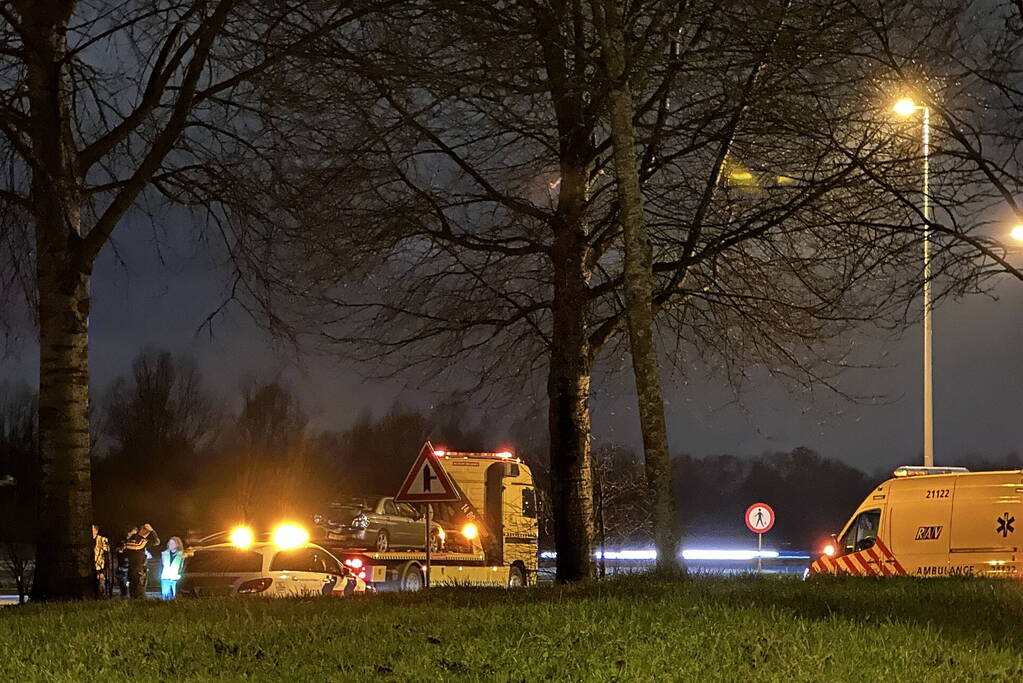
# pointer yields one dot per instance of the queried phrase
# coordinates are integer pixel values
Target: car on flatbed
(376, 523)
(267, 569)
(491, 537)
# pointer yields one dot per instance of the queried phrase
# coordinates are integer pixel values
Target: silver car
(377, 523)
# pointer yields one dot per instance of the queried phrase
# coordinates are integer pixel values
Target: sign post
(426, 542)
(426, 483)
(759, 519)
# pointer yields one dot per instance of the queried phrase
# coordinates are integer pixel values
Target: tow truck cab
(932, 522)
(496, 521)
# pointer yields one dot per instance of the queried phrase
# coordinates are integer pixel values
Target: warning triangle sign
(427, 482)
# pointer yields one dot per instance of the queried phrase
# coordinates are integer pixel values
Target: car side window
(529, 503)
(389, 508)
(330, 565)
(407, 510)
(296, 560)
(862, 533)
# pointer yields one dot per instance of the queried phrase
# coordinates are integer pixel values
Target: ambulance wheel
(411, 578)
(382, 542)
(516, 577)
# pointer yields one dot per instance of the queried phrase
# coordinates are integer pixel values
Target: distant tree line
(174, 453)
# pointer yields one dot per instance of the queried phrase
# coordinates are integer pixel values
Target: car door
(416, 525)
(300, 570)
(396, 524)
(921, 512)
(337, 580)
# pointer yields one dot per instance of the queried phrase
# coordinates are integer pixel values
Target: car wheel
(383, 542)
(412, 578)
(516, 577)
(436, 545)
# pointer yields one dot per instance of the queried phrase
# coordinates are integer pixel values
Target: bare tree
(270, 451)
(19, 483)
(157, 425)
(622, 505)
(17, 559)
(164, 408)
(638, 279)
(100, 105)
(962, 61)
(473, 155)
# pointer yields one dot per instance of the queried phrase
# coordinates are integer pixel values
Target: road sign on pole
(426, 483)
(759, 519)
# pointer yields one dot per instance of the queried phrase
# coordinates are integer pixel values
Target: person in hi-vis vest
(170, 574)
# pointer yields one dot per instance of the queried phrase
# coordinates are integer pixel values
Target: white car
(268, 570)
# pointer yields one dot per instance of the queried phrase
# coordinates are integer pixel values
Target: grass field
(630, 629)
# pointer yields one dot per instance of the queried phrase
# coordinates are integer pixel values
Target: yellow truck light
(470, 531)
(241, 537)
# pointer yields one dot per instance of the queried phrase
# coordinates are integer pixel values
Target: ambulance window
(862, 532)
(529, 503)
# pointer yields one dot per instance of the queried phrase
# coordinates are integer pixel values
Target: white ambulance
(931, 522)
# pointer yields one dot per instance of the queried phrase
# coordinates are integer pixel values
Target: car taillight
(255, 585)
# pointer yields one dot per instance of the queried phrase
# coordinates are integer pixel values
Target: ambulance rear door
(920, 510)
(986, 520)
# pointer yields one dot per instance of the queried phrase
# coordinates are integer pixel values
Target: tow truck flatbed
(405, 555)
(497, 520)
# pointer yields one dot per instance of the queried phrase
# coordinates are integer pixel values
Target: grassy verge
(634, 629)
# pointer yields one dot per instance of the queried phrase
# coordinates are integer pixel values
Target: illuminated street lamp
(1017, 233)
(906, 108)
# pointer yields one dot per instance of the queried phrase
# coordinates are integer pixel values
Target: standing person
(100, 551)
(135, 548)
(122, 562)
(170, 574)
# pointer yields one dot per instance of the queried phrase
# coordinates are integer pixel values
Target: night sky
(160, 296)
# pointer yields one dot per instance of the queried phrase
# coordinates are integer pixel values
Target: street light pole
(928, 358)
(906, 107)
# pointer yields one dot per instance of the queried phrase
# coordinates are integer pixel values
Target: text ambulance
(932, 521)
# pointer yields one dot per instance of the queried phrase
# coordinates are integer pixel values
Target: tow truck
(496, 521)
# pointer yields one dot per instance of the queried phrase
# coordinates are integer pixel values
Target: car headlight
(360, 522)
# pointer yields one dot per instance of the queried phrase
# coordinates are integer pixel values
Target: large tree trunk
(568, 388)
(568, 382)
(64, 562)
(639, 286)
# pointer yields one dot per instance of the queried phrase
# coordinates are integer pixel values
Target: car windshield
(225, 560)
(353, 503)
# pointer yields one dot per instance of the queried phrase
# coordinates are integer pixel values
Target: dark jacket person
(135, 549)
